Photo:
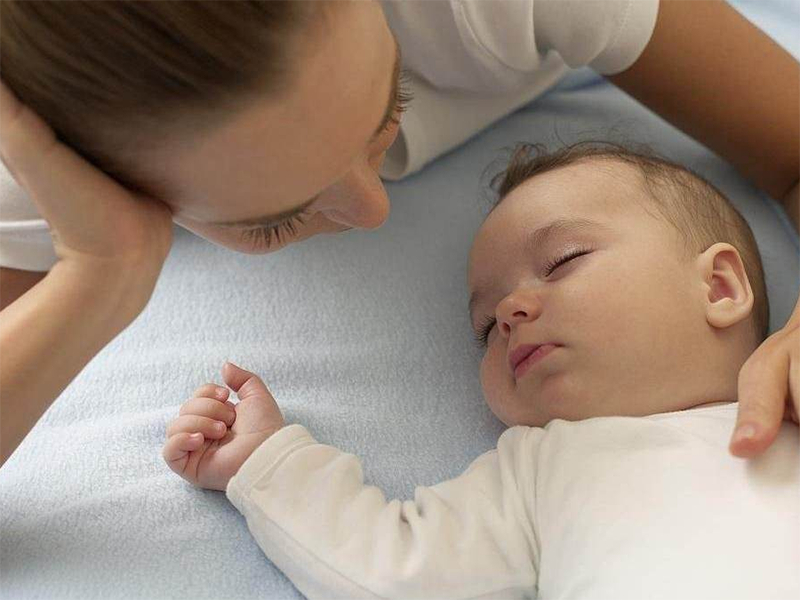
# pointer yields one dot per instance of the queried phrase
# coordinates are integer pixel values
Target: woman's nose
(357, 200)
(517, 308)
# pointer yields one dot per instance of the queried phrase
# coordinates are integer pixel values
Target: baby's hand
(213, 437)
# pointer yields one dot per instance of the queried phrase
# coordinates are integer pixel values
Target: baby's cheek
(494, 383)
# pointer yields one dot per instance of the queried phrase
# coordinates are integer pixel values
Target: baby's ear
(729, 297)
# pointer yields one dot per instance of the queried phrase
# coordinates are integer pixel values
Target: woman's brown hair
(112, 76)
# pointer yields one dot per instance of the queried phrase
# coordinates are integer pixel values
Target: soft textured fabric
(612, 507)
(494, 47)
(472, 62)
(363, 337)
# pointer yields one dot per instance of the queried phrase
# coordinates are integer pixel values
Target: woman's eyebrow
(391, 104)
(269, 220)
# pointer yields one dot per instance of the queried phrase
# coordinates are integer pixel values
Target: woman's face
(304, 162)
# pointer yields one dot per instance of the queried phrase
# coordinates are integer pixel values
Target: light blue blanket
(363, 337)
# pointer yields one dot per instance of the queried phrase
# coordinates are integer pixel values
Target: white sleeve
(475, 61)
(25, 241)
(439, 120)
(308, 508)
(607, 35)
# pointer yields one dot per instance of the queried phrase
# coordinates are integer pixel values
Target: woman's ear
(729, 297)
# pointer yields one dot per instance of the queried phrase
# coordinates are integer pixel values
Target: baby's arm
(308, 508)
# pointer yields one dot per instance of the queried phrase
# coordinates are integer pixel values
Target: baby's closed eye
(554, 263)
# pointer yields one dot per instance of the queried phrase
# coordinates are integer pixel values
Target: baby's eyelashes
(483, 330)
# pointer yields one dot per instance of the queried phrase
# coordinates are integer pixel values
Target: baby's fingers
(213, 409)
(178, 447)
(210, 428)
(212, 390)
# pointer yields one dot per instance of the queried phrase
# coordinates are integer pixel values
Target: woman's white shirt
(472, 62)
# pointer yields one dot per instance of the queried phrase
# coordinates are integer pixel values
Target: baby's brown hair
(699, 211)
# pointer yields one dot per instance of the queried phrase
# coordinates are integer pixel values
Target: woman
(187, 111)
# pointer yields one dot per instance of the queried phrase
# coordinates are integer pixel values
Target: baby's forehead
(597, 182)
(591, 188)
(592, 194)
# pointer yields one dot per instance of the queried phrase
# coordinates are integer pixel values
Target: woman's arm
(49, 334)
(110, 245)
(713, 74)
(15, 282)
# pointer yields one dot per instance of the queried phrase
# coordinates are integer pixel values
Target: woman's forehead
(283, 151)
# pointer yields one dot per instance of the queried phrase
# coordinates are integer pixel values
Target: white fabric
(492, 47)
(610, 507)
(463, 50)
(472, 62)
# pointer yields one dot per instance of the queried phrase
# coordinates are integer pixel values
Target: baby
(617, 296)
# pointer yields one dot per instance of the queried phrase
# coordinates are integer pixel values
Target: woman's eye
(264, 237)
(554, 264)
(402, 100)
(483, 330)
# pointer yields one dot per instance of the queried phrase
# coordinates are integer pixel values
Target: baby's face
(585, 300)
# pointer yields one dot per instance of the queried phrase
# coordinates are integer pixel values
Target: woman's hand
(93, 219)
(769, 390)
(213, 437)
(111, 245)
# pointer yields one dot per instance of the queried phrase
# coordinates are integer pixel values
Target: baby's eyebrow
(538, 238)
(542, 235)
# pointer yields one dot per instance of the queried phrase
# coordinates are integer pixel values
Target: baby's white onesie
(613, 507)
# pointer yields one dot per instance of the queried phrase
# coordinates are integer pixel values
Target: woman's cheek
(382, 145)
(227, 238)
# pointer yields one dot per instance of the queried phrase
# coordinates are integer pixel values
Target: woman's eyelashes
(402, 101)
(265, 237)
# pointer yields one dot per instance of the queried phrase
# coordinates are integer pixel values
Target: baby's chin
(540, 408)
(577, 395)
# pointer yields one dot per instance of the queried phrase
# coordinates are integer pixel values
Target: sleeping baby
(617, 296)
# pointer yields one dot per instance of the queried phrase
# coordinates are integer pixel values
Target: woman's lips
(525, 356)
